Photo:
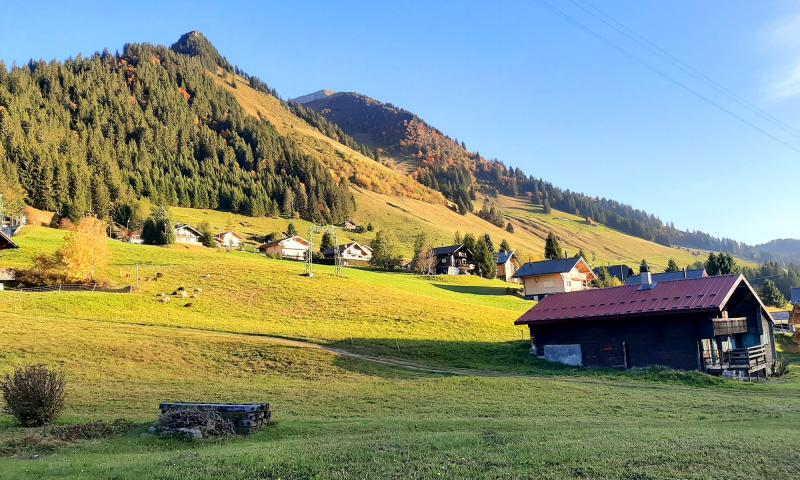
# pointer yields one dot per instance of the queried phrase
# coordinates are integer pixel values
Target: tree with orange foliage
(85, 250)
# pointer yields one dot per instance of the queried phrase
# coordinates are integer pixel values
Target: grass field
(509, 416)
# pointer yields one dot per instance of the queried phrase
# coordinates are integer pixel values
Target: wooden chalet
(540, 279)
(352, 253)
(293, 248)
(507, 266)
(228, 240)
(711, 324)
(6, 242)
(669, 276)
(187, 234)
(453, 260)
(348, 225)
(11, 224)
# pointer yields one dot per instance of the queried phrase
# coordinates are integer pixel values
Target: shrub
(34, 395)
(781, 367)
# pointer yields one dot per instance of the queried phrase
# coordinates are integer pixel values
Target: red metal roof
(700, 294)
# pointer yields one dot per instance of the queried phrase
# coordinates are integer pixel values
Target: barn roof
(220, 235)
(503, 257)
(298, 238)
(6, 242)
(795, 296)
(669, 276)
(693, 295)
(548, 267)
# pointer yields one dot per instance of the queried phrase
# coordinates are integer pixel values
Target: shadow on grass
(429, 359)
(476, 289)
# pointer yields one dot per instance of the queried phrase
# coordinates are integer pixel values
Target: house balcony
(744, 360)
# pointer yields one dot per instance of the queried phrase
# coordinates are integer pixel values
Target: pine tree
(672, 266)
(504, 246)
(207, 235)
(509, 227)
(326, 243)
(771, 296)
(552, 248)
(291, 230)
(457, 239)
(485, 260)
(546, 208)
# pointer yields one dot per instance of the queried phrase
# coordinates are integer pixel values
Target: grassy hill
(507, 416)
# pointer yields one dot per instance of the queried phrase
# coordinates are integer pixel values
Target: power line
(566, 17)
(641, 40)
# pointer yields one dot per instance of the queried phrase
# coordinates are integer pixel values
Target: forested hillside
(445, 164)
(84, 134)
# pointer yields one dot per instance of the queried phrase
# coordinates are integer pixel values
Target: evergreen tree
(327, 242)
(546, 208)
(644, 267)
(207, 235)
(457, 239)
(582, 255)
(672, 266)
(291, 230)
(469, 242)
(771, 296)
(157, 229)
(485, 260)
(509, 227)
(552, 248)
(504, 246)
(370, 227)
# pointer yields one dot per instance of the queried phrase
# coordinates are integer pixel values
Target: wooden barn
(712, 324)
(187, 234)
(540, 279)
(507, 266)
(453, 260)
(293, 248)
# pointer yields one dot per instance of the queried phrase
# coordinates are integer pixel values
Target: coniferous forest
(88, 134)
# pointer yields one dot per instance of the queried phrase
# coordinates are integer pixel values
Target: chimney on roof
(646, 277)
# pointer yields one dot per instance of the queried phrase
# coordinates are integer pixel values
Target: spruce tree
(552, 248)
(672, 266)
(771, 296)
(504, 246)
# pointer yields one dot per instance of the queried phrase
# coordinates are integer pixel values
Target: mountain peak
(195, 44)
(313, 96)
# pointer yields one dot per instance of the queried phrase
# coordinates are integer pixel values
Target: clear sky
(518, 82)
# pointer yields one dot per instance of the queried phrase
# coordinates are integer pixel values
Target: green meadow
(370, 375)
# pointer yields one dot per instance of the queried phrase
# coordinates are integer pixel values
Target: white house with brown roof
(294, 248)
(187, 235)
(351, 253)
(228, 240)
(540, 279)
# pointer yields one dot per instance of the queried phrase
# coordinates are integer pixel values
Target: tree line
(83, 136)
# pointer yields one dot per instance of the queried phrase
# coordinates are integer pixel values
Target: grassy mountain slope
(339, 417)
(344, 162)
(398, 205)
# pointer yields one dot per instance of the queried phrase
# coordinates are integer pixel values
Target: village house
(507, 266)
(711, 324)
(11, 224)
(348, 225)
(187, 235)
(352, 253)
(620, 272)
(228, 240)
(540, 279)
(294, 248)
(6, 242)
(453, 260)
(669, 276)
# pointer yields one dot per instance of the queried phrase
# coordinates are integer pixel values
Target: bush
(34, 395)
(781, 367)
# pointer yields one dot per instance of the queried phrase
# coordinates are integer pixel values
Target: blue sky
(519, 83)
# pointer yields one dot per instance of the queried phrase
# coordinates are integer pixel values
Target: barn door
(626, 355)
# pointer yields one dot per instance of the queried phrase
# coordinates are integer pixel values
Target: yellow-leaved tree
(85, 250)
